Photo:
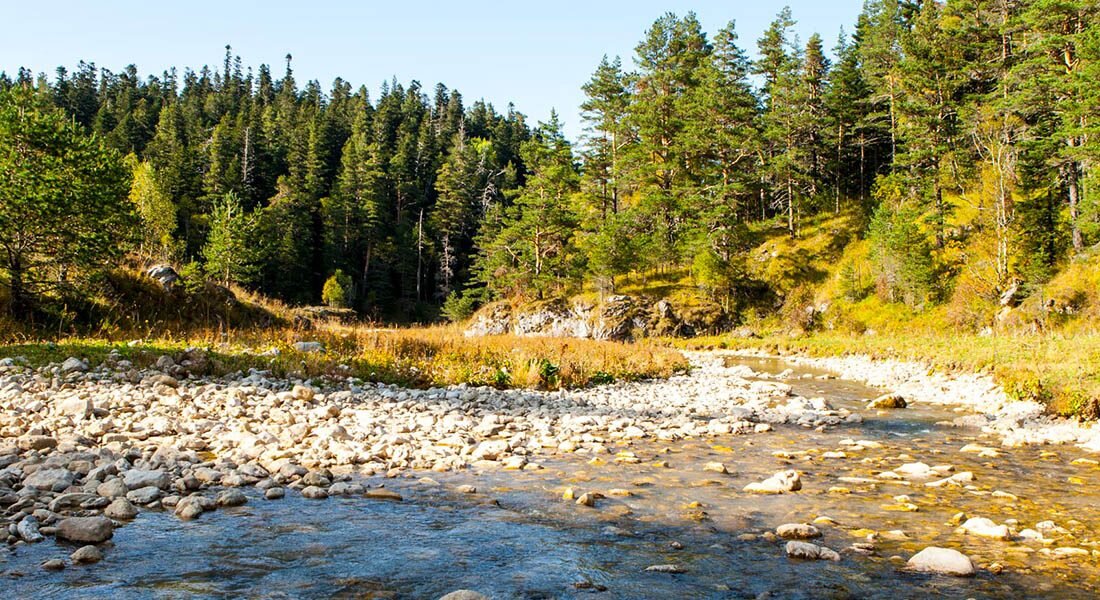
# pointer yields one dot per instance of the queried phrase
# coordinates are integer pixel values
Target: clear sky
(535, 54)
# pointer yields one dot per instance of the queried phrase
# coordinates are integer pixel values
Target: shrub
(460, 306)
(337, 292)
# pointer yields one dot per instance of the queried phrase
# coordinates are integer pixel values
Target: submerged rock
(780, 483)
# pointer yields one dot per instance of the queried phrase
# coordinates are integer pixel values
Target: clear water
(530, 543)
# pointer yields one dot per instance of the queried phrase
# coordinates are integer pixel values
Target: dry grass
(421, 357)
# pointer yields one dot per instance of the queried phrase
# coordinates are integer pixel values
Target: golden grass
(418, 356)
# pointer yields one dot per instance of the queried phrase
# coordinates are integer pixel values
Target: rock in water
(28, 530)
(464, 595)
(985, 528)
(54, 564)
(888, 401)
(121, 508)
(781, 482)
(91, 530)
(87, 555)
(665, 569)
(942, 560)
(274, 493)
(808, 551)
(797, 531)
(231, 498)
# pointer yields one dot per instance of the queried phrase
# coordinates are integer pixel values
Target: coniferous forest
(418, 199)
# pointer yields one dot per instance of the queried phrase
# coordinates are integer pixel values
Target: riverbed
(658, 504)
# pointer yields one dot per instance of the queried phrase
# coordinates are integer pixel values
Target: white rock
(941, 560)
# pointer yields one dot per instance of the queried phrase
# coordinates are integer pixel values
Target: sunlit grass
(431, 356)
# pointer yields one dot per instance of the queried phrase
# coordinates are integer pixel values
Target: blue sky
(534, 54)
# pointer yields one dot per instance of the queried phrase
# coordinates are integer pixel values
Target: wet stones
(274, 493)
(383, 494)
(27, 530)
(314, 492)
(716, 467)
(671, 569)
(86, 555)
(232, 497)
(808, 551)
(464, 595)
(121, 509)
(91, 530)
(941, 560)
(779, 483)
(797, 531)
(984, 527)
(887, 402)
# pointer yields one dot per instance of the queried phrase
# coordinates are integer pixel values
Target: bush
(337, 292)
(903, 254)
(460, 306)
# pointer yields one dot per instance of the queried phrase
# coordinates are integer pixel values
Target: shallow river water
(517, 537)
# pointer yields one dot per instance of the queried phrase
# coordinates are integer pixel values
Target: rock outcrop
(619, 318)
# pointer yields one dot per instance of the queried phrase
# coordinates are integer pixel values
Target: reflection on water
(532, 544)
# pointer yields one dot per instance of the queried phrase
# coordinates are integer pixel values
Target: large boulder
(164, 275)
(90, 530)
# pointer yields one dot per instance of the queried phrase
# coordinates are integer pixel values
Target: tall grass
(417, 356)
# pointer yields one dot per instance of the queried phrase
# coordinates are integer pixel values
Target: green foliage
(338, 291)
(63, 199)
(460, 306)
(229, 251)
(903, 256)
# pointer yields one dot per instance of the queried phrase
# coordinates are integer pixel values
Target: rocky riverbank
(85, 448)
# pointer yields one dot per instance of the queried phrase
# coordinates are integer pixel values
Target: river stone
(87, 555)
(888, 401)
(464, 595)
(797, 531)
(28, 530)
(139, 478)
(466, 489)
(54, 564)
(92, 530)
(274, 493)
(383, 494)
(144, 495)
(781, 482)
(314, 493)
(665, 569)
(112, 488)
(122, 509)
(808, 551)
(985, 528)
(309, 347)
(36, 442)
(941, 560)
(51, 480)
(73, 365)
(231, 498)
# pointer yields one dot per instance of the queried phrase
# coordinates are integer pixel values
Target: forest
(956, 136)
